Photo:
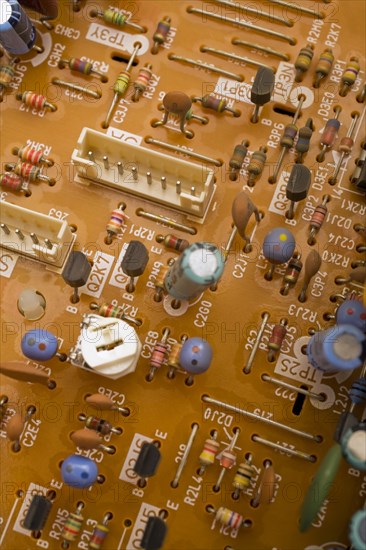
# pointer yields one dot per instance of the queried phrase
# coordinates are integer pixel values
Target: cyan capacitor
(352, 312)
(354, 446)
(357, 530)
(337, 349)
(197, 268)
(17, 33)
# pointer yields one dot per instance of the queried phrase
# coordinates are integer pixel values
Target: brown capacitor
(312, 266)
(177, 103)
(358, 274)
(15, 427)
(21, 371)
(241, 211)
(100, 401)
(267, 486)
(86, 439)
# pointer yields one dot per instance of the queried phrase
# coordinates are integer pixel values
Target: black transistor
(154, 534)
(147, 462)
(76, 272)
(261, 90)
(134, 262)
(37, 513)
(297, 187)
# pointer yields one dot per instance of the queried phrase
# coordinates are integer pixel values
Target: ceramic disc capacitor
(262, 89)
(196, 269)
(76, 272)
(17, 33)
(134, 262)
(336, 349)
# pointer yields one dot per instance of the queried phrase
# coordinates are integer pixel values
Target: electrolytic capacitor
(237, 159)
(297, 187)
(79, 472)
(161, 34)
(262, 89)
(154, 534)
(292, 273)
(352, 312)
(278, 248)
(219, 105)
(172, 242)
(256, 165)
(49, 8)
(323, 67)
(100, 533)
(134, 262)
(17, 33)
(278, 335)
(76, 272)
(243, 477)
(209, 452)
(357, 530)
(329, 135)
(349, 76)
(40, 345)
(37, 513)
(32, 155)
(336, 349)
(142, 81)
(353, 445)
(115, 224)
(72, 526)
(80, 66)
(303, 61)
(196, 269)
(147, 461)
(195, 357)
(303, 141)
(317, 219)
(312, 265)
(159, 355)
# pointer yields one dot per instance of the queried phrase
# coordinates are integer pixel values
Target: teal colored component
(354, 446)
(357, 530)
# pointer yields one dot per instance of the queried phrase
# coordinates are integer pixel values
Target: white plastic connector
(35, 235)
(187, 187)
(109, 346)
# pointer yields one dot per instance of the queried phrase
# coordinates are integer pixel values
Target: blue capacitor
(197, 268)
(354, 446)
(336, 349)
(196, 355)
(352, 312)
(39, 345)
(79, 471)
(278, 245)
(357, 530)
(17, 33)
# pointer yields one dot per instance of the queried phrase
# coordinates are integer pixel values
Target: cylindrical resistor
(329, 135)
(35, 101)
(256, 165)
(99, 425)
(317, 219)
(303, 61)
(292, 274)
(228, 518)
(159, 355)
(174, 355)
(13, 182)
(31, 172)
(276, 339)
(110, 310)
(303, 142)
(115, 224)
(323, 67)
(237, 159)
(243, 477)
(7, 73)
(17, 32)
(349, 76)
(72, 526)
(100, 533)
(112, 17)
(160, 34)
(159, 281)
(80, 66)
(219, 105)
(173, 242)
(142, 81)
(31, 155)
(209, 452)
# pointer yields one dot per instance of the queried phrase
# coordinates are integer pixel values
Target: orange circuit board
(182, 216)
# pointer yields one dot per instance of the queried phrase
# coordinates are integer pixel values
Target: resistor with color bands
(229, 518)
(36, 101)
(256, 165)
(276, 339)
(329, 135)
(243, 477)
(7, 73)
(98, 537)
(349, 76)
(159, 282)
(80, 66)
(115, 224)
(142, 81)
(31, 155)
(303, 61)
(317, 219)
(292, 273)
(172, 242)
(31, 172)
(159, 355)
(115, 18)
(323, 67)
(160, 34)
(100, 425)
(209, 452)
(72, 527)
(303, 142)
(174, 356)
(237, 159)
(10, 180)
(219, 105)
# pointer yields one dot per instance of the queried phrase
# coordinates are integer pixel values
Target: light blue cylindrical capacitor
(197, 268)
(337, 349)
(357, 530)
(354, 446)
(17, 33)
(352, 312)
